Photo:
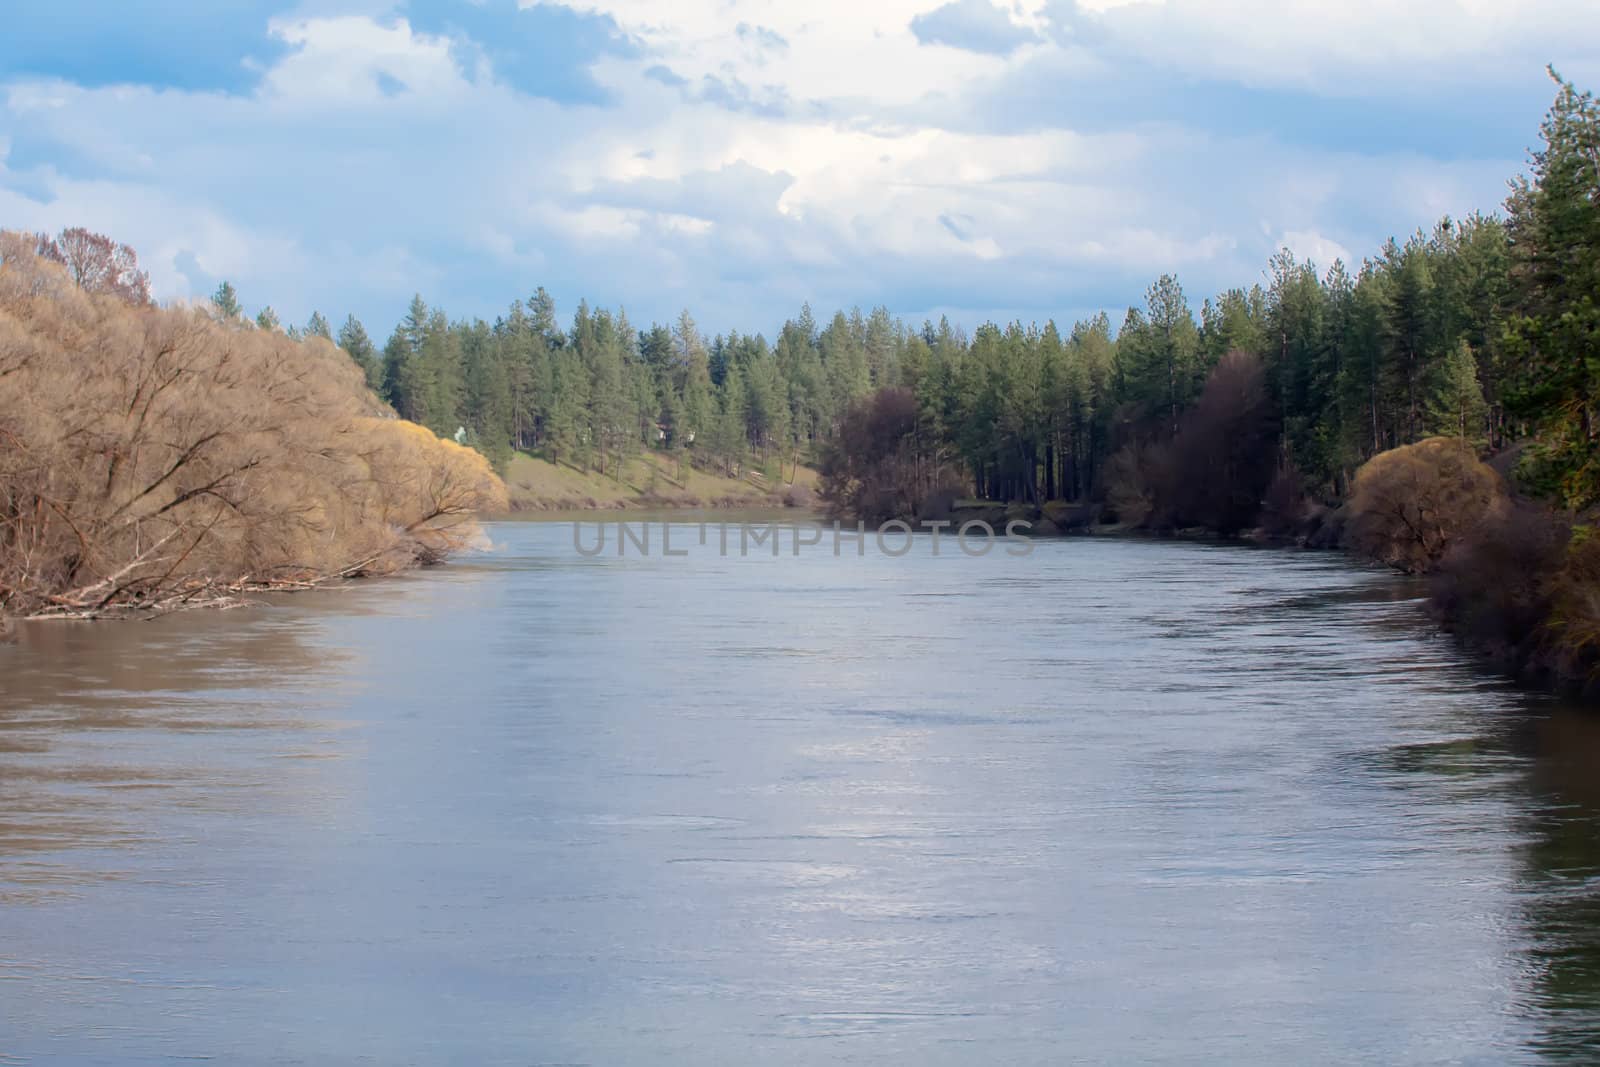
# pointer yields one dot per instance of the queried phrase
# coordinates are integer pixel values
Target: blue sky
(737, 157)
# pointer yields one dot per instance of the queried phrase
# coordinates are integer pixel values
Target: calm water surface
(1116, 801)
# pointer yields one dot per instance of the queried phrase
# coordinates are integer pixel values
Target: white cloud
(350, 59)
(841, 50)
(847, 51)
(369, 164)
(1308, 245)
(1352, 47)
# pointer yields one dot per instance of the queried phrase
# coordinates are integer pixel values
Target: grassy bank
(650, 480)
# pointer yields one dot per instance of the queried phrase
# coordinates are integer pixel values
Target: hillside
(651, 480)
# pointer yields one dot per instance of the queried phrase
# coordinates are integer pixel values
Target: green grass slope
(650, 481)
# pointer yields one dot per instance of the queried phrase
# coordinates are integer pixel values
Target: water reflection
(1543, 766)
(1561, 893)
(1119, 801)
(101, 742)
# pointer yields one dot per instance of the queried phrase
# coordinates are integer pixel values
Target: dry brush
(155, 457)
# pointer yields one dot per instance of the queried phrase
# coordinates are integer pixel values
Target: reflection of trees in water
(85, 671)
(1548, 769)
(96, 722)
(1562, 881)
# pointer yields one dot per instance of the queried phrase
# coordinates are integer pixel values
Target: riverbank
(154, 459)
(652, 480)
(1515, 581)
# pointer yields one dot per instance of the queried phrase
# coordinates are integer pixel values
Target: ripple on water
(1124, 801)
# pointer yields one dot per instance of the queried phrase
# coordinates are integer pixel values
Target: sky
(740, 157)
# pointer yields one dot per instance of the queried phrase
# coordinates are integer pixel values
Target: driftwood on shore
(99, 601)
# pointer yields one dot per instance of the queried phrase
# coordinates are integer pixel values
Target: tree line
(1409, 344)
(1481, 328)
(1267, 405)
(596, 391)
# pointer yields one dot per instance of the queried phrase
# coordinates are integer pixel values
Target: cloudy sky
(737, 157)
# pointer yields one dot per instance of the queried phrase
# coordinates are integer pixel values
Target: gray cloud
(762, 37)
(730, 93)
(960, 226)
(972, 25)
(353, 200)
(738, 191)
(666, 76)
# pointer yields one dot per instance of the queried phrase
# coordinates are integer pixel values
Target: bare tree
(97, 264)
(1410, 505)
(154, 457)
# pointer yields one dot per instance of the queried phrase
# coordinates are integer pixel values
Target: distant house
(663, 431)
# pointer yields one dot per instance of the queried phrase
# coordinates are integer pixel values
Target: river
(1109, 801)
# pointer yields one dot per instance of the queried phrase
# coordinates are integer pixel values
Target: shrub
(1411, 504)
(1224, 456)
(1493, 588)
(155, 456)
(870, 471)
(939, 505)
(1129, 479)
(797, 496)
(1286, 510)
(1574, 593)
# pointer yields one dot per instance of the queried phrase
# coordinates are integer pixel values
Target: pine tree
(879, 347)
(730, 438)
(354, 340)
(717, 359)
(226, 301)
(1407, 324)
(766, 402)
(439, 380)
(402, 377)
(567, 429)
(487, 399)
(609, 417)
(1554, 221)
(845, 362)
(1235, 322)
(414, 327)
(542, 313)
(697, 403)
(521, 354)
(645, 405)
(686, 340)
(1176, 343)
(1300, 364)
(656, 348)
(1455, 406)
(317, 326)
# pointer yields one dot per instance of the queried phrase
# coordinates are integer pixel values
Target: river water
(1111, 801)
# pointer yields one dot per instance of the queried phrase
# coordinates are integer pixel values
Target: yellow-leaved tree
(151, 457)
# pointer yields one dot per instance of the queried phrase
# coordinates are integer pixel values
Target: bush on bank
(1515, 580)
(1409, 505)
(152, 457)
